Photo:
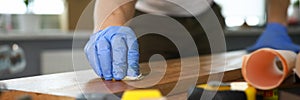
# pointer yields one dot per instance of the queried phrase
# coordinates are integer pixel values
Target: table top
(177, 78)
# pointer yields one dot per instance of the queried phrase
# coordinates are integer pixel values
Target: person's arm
(112, 50)
(276, 33)
(277, 11)
(112, 13)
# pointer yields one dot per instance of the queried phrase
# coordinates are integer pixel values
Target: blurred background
(44, 29)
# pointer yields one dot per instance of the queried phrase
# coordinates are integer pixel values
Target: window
(48, 7)
(36, 7)
(238, 12)
(12, 7)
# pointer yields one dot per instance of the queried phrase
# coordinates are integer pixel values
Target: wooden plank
(72, 84)
(16, 95)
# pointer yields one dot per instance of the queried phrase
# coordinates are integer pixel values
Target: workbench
(69, 85)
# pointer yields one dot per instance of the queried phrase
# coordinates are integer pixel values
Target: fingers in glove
(119, 54)
(91, 54)
(104, 56)
(133, 54)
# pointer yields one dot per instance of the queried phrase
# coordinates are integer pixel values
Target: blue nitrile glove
(275, 36)
(113, 53)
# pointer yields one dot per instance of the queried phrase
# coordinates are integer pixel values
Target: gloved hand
(275, 36)
(113, 53)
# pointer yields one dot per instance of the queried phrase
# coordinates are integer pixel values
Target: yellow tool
(146, 94)
(149, 94)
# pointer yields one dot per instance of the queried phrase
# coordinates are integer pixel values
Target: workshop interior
(51, 49)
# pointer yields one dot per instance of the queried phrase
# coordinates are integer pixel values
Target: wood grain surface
(177, 75)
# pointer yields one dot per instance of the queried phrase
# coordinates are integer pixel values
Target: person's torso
(181, 8)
